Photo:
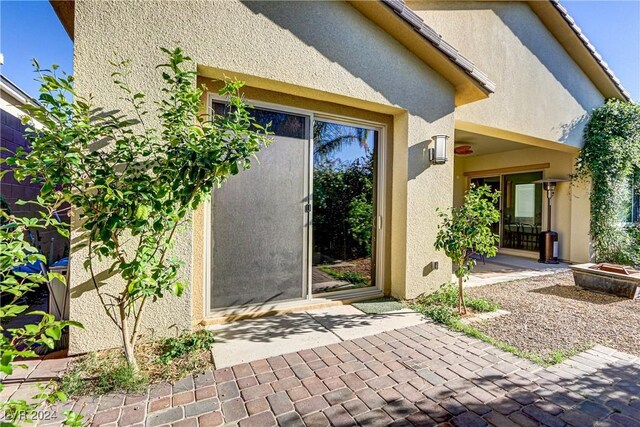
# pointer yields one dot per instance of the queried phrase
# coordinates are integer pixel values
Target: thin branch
(95, 284)
(137, 317)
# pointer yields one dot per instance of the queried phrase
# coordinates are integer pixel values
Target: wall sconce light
(438, 154)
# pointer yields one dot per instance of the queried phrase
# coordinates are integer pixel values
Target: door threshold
(519, 252)
(228, 315)
(350, 294)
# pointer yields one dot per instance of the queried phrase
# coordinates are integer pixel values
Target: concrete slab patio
(252, 339)
(506, 268)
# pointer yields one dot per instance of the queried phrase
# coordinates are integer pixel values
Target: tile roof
(429, 34)
(436, 39)
(583, 38)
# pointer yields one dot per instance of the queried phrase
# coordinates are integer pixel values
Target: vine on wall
(610, 157)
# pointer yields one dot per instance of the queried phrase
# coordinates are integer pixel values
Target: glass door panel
(259, 220)
(344, 207)
(521, 211)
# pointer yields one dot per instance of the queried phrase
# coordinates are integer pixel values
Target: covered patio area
(513, 164)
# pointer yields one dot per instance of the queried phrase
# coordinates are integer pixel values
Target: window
(525, 201)
(635, 198)
(281, 124)
(631, 208)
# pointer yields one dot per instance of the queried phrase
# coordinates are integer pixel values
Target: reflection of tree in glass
(343, 207)
(331, 137)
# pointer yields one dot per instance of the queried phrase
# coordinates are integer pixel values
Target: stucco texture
(541, 91)
(324, 51)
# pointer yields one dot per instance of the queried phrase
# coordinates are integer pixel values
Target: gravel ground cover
(549, 314)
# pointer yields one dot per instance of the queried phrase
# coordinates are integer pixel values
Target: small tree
(466, 230)
(133, 185)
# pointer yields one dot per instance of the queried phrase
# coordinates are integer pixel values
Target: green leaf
(32, 329)
(54, 332)
(47, 341)
(178, 289)
(142, 212)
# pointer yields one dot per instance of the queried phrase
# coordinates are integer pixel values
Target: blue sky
(613, 27)
(30, 29)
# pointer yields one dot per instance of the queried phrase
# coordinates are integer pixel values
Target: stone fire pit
(608, 278)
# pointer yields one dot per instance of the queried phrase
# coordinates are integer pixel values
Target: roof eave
(558, 21)
(65, 9)
(16, 92)
(404, 25)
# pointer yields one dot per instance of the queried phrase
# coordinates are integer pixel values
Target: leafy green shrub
(633, 248)
(21, 342)
(360, 220)
(72, 383)
(441, 314)
(441, 305)
(446, 295)
(610, 157)
(343, 207)
(173, 348)
(482, 305)
(135, 185)
(91, 376)
(120, 379)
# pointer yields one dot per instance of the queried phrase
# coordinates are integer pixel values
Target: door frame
(379, 212)
(308, 233)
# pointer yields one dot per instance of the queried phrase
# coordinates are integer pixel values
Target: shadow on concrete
(271, 328)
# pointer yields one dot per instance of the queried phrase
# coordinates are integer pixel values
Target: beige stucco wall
(325, 51)
(570, 204)
(541, 91)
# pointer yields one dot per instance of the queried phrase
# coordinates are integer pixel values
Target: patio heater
(549, 238)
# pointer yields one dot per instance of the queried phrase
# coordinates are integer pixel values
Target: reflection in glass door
(521, 211)
(494, 183)
(344, 207)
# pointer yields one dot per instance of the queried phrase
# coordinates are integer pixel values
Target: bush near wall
(610, 158)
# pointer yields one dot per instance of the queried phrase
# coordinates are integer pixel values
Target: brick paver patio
(423, 375)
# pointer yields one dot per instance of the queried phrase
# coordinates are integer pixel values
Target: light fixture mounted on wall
(438, 154)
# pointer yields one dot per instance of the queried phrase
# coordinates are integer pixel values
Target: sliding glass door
(521, 211)
(520, 207)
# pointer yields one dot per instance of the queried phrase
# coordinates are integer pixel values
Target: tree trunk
(127, 341)
(462, 308)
